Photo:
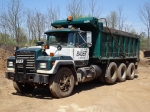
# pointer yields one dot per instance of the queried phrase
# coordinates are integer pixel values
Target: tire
(131, 71)
(122, 73)
(23, 88)
(111, 73)
(62, 83)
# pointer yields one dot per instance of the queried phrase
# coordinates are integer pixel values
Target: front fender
(56, 66)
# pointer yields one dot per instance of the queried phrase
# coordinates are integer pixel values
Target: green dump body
(104, 47)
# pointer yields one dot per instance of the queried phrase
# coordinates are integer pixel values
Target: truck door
(81, 52)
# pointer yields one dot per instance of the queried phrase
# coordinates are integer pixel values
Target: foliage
(5, 39)
(144, 44)
(144, 41)
(8, 40)
(23, 27)
(144, 14)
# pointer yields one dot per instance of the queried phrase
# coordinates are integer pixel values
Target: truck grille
(30, 66)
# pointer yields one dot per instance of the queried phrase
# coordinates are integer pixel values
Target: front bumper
(28, 77)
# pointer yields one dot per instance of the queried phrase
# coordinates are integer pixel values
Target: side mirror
(89, 38)
(59, 47)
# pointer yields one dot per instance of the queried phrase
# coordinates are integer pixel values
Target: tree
(143, 41)
(128, 27)
(36, 24)
(144, 14)
(22, 36)
(30, 25)
(39, 23)
(75, 8)
(4, 30)
(121, 18)
(94, 9)
(4, 38)
(11, 18)
(112, 19)
(53, 13)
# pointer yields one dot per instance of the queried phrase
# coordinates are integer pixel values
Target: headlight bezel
(10, 64)
(42, 65)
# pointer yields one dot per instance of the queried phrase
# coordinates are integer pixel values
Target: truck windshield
(63, 38)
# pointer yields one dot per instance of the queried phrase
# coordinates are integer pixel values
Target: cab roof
(76, 22)
(61, 30)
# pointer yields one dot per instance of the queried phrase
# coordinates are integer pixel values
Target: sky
(130, 8)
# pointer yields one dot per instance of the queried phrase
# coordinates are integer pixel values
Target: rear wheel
(62, 83)
(23, 87)
(131, 71)
(122, 72)
(111, 73)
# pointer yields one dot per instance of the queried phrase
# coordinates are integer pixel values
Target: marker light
(53, 63)
(46, 46)
(69, 18)
(51, 54)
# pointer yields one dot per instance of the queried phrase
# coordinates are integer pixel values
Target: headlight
(10, 63)
(42, 65)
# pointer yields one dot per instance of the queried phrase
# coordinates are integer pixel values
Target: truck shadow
(38, 93)
(87, 86)
(41, 93)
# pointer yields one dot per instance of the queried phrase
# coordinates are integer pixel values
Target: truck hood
(32, 49)
(37, 50)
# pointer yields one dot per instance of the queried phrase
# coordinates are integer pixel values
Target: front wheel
(62, 83)
(23, 87)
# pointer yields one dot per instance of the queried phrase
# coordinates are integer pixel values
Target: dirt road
(129, 96)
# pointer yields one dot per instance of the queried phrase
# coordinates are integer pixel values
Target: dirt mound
(141, 55)
(144, 61)
(7, 47)
(4, 54)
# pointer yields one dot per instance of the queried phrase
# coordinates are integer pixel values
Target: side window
(79, 40)
(70, 38)
(51, 39)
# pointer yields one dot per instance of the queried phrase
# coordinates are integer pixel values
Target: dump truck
(76, 50)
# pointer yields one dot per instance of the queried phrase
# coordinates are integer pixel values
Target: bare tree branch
(112, 19)
(36, 24)
(75, 8)
(144, 15)
(11, 18)
(121, 18)
(94, 9)
(53, 13)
